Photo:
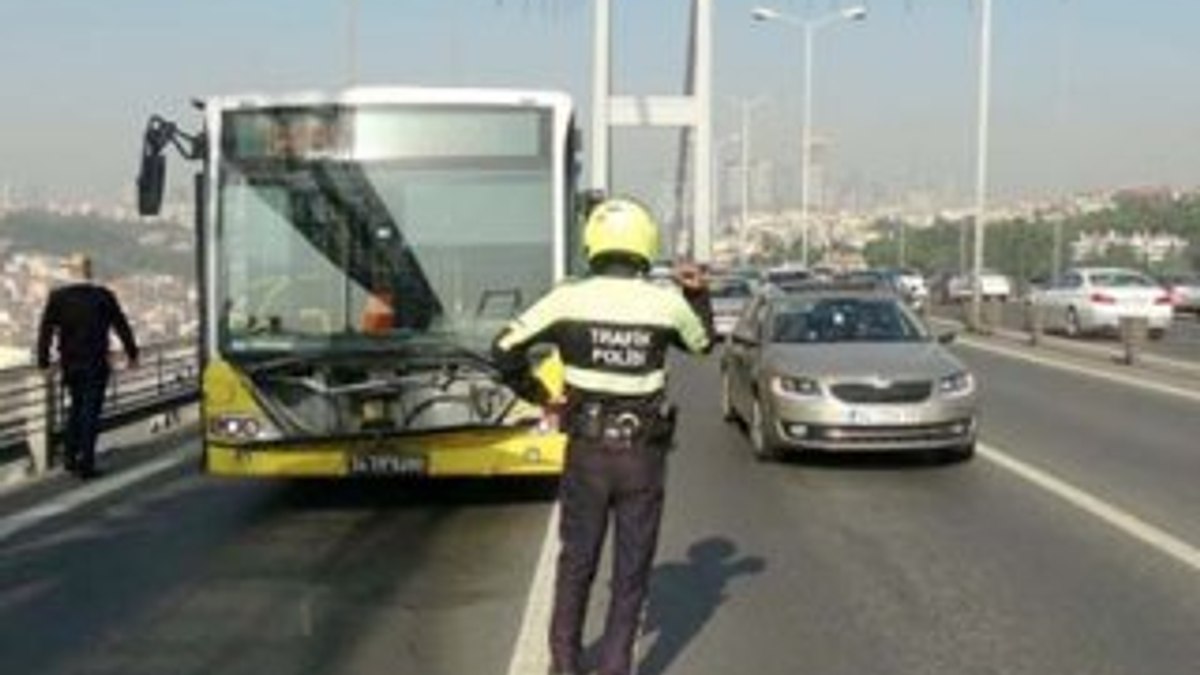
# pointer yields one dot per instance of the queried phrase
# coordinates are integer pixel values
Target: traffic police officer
(612, 331)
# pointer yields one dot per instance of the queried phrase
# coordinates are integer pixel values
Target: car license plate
(873, 416)
(380, 464)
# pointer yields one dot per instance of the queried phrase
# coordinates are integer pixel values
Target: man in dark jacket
(80, 315)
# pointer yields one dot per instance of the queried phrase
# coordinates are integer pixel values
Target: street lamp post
(718, 182)
(351, 42)
(810, 27)
(981, 155)
(748, 106)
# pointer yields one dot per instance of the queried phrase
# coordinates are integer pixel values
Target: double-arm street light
(810, 27)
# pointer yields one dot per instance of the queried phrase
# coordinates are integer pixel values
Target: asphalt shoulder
(1103, 359)
(116, 461)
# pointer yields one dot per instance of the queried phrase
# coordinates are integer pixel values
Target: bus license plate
(387, 465)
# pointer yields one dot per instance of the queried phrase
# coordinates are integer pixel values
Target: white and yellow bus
(358, 252)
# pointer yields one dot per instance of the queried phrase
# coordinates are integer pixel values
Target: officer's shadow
(685, 595)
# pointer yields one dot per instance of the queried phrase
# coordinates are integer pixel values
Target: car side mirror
(946, 338)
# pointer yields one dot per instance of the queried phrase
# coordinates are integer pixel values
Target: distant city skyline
(1088, 94)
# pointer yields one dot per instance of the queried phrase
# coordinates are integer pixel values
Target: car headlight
(958, 384)
(795, 387)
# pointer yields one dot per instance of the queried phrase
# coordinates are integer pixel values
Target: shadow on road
(917, 460)
(685, 595)
(402, 493)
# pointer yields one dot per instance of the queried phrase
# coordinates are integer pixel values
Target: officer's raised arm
(694, 318)
(510, 350)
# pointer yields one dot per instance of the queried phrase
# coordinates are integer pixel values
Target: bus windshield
(349, 230)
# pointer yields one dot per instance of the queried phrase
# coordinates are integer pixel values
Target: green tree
(1117, 255)
(118, 247)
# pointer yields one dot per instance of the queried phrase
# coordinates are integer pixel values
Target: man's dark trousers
(626, 482)
(86, 387)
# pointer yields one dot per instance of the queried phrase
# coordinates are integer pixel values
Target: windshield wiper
(284, 361)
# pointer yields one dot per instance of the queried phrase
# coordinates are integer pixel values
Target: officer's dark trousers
(86, 387)
(625, 485)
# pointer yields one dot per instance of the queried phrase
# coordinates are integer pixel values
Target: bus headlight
(241, 427)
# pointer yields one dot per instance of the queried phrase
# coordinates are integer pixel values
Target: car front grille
(892, 392)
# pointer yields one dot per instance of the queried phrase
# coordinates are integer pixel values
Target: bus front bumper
(466, 454)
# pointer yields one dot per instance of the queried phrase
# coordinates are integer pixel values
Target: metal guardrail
(34, 405)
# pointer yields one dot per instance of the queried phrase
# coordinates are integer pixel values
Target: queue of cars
(816, 361)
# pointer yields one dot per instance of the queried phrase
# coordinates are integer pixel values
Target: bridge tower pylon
(691, 111)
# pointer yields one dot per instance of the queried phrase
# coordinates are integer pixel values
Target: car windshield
(734, 288)
(829, 320)
(1121, 280)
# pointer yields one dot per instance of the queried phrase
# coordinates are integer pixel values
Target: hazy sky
(1087, 93)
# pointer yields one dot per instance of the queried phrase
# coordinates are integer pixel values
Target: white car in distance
(992, 286)
(1093, 300)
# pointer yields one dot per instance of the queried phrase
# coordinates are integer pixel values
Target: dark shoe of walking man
(79, 317)
(612, 331)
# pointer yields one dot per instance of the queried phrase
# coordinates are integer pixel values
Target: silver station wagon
(829, 368)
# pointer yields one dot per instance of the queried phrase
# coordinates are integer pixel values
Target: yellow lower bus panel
(507, 452)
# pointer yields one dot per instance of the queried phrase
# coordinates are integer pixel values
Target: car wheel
(1073, 328)
(727, 410)
(764, 450)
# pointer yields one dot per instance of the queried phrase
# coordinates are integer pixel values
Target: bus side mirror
(151, 178)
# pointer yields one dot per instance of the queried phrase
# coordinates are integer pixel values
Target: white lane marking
(89, 492)
(1119, 378)
(531, 653)
(1124, 521)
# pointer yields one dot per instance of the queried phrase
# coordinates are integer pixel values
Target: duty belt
(620, 426)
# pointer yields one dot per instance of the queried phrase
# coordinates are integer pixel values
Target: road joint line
(1124, 521)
